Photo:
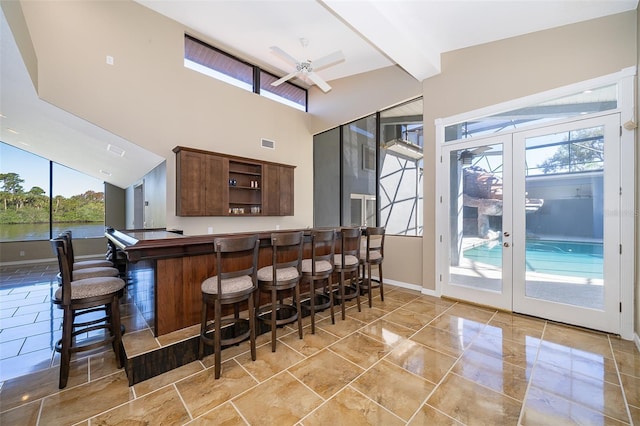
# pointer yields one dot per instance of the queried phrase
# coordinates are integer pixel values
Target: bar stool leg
(369, 282)
(203, 326)
(116, 330)
(252, 328)
(342, 301)
(299, 309)
(274, 311)
(381, 286)
(65, 350)
(312, 304)
(217, 347)
(330, 287)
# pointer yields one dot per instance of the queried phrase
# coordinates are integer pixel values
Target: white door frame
(625, 80)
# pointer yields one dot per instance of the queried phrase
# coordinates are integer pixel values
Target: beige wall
(149, 98)
(497, 72)
(637, 211)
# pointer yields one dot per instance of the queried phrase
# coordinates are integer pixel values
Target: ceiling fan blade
(285, 78)
(284, 55)
(319, 81)
(480, 150)
(326, 61)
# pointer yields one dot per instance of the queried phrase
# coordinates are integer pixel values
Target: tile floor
(412, 360)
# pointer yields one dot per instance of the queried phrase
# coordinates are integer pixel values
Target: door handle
(506, 244)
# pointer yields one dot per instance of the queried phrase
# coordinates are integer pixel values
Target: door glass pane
(476, 217)
(564, 217)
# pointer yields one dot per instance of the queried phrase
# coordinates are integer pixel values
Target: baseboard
(408, 286)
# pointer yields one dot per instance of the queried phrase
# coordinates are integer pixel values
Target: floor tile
(427, 415)
(225, 415)
(24, 415)
(160, 407)
(458, 398)
(522, 354)
(394, 388)
(421, 360)
(326, 373)
(310, 343)
(70, 406)
(361, 350)
(443, 341)
(543, 408)
(410, 319)
(167, 378)
(272, 402)
(201, 392)
(386, 331)
(269, 363)
(350, 407)
(595, 394)
(494, 373)
(578, 361)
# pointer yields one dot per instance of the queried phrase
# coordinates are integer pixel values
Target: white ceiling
(371, 33)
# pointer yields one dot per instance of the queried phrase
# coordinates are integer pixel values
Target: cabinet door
(190, 192)
(271, 190)
(278, 190)
(216, 186)
(286, 191)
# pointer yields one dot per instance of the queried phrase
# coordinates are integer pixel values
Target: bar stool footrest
(321, 302)
(234, 331)
(285, 314)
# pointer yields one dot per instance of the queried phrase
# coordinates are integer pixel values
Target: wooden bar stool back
(77, 265)
(99, 268)
(80, 297)
(348, 262)
(317, 271)
(236, 261)
(372, 254)
(284, 273)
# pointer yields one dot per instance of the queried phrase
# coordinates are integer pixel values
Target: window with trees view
(29, 212)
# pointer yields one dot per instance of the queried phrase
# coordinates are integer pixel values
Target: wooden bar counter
(166, 270)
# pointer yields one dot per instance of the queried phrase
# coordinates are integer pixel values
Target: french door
(534, 223)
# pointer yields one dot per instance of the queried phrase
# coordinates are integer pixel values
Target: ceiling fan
(306, 69)
(466, 156)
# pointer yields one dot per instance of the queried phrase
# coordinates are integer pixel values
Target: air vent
(115, 150)
(266, 143)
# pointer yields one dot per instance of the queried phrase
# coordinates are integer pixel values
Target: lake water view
(40, 231)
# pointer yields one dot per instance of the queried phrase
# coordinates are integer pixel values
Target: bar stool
(284, 273)
(93, 268)
(235, 281)
(348, 262)
(318, 269)
(67, 235)
(76, 297)
(372, 254)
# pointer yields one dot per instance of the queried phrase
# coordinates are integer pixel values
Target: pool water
(573, 259)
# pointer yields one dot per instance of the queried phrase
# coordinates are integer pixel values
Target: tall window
(206, 59)
(28, 211)
(401, 142)
(369, 172)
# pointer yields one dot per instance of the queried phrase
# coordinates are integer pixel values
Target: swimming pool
(572, 259)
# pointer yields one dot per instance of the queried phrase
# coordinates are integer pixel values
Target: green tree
(11, 189)
(582, 151)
